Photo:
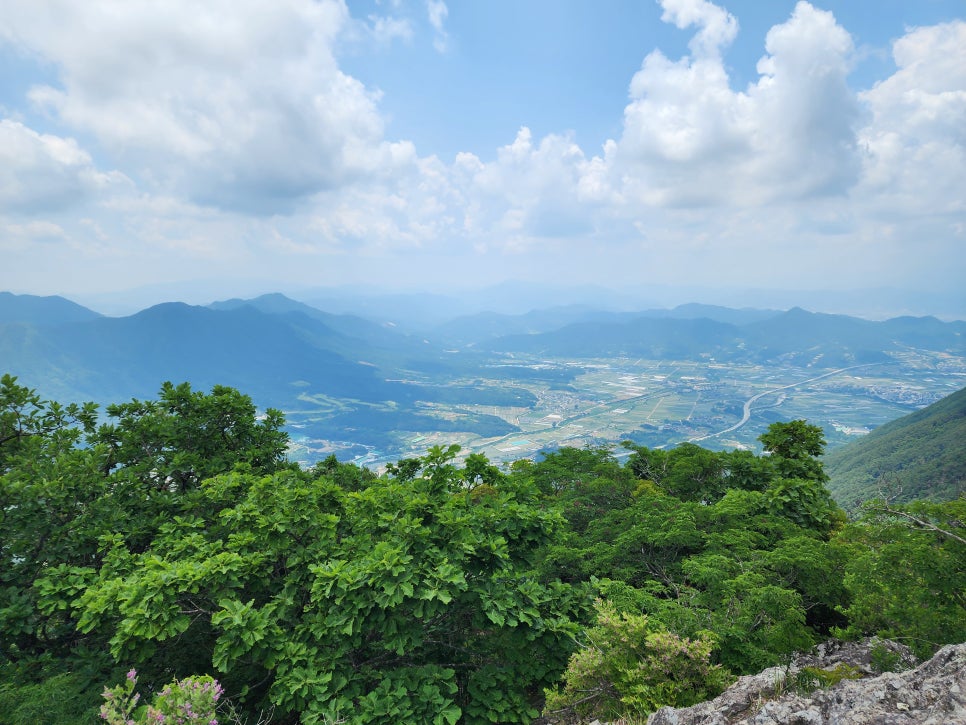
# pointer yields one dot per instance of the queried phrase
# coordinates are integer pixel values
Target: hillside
(921, 455)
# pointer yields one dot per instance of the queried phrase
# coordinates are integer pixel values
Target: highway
(746, 416)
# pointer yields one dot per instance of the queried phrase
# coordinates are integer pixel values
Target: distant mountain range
(485, 327)
(919, 456)
(275, 348)
(281, 352)
(795, 337)
(115, 358)
(355, 378)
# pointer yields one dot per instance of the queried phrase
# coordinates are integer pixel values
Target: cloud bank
(226, 137)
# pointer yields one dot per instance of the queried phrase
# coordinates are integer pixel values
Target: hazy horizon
(518, 298)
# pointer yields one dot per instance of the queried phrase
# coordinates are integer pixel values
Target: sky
(239, 146)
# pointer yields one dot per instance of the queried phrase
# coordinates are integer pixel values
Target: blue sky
(245, 146)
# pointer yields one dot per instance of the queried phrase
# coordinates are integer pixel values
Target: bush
(191, 701)
(630, 667)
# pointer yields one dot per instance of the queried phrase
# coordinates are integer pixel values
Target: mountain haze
(287, 357)
(794, 337)
(362, 385)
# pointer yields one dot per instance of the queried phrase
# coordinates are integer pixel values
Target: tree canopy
(173, 539)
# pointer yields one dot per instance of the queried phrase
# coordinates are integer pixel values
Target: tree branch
(915, 519)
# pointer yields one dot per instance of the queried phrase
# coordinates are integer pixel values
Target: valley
(657, 403)
(374, 390)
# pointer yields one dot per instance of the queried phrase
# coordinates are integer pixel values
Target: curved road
(748, 403)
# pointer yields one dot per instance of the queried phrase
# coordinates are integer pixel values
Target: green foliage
(406, 600)
(566, 470)
(713, 541)
(907, 580)
(796, 447)
(67, 504)
(186, 436)
(884, 659)
(178, 540)
(31, 427)
(63, 699)
(629, 666)
(805, 502)
(73, 492)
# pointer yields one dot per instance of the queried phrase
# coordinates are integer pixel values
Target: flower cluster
(191, 701)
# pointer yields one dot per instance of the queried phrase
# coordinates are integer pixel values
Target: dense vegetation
(918, 456)
(174, 543)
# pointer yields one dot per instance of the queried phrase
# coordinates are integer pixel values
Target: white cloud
(717, 27)
(916, 139)
(437, 12)
(385, 29)
(43, 172)
(530, 191)
(689, 139)
(36, 230)
(252, 151)
(238, 104)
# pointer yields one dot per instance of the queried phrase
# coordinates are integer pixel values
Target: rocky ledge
(933, 693)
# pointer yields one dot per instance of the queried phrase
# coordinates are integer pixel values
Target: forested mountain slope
(919, 456)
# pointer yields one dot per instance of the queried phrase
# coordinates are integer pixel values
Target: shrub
(630, 667)
(191, 701)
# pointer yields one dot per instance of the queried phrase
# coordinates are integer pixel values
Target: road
(746, 415)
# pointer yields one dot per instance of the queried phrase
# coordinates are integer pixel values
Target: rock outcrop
(934, 693)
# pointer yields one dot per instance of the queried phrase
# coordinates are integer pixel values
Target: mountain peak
(35, 310)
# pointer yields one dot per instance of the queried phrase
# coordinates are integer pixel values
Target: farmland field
(655, 403)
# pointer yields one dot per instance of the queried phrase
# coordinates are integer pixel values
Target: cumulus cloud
(916, 139)
(245, 141)
(530, 190)
(45, 173)
(23, 235)
(690, 139)
(239, 104)
(717, 27)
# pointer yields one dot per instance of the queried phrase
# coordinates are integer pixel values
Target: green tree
(796, 448)
(186, 435)
(409, 600)
(32, 428)
(800, 492)
(906, 573)
(71, 492)
(712, 541)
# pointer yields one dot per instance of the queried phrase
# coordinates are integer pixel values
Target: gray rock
(930, 694)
